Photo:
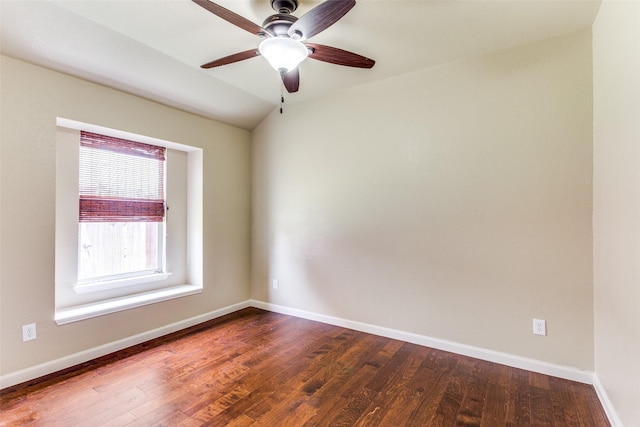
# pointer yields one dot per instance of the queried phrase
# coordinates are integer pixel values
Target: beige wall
(453, 202)
(32, 98)
(616, 205)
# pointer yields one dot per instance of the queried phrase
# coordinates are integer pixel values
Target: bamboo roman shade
(120, 180)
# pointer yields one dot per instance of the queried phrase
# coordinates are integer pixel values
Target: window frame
(78, 301)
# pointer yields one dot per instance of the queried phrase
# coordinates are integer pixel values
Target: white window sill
(85, 288)
(74, 314)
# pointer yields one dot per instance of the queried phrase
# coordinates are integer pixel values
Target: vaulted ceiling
(154, 48)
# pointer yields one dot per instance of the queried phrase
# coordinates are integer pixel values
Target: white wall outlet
(274, 283)
(539, 327)
(29, 332)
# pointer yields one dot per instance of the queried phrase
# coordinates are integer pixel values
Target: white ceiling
(154, 48)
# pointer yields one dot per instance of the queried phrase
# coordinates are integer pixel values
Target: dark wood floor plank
(349, 412)
(310, 381)
(265, 358)
(496, 406)
(539, 380)
(450, 401)
(255, 368)
(541, 407)
(419, 399)
(336, 378)
(297, 417)
(96, 411)
(429, 386)
(391, 373)
(220, 404)
(396, 399)
(588, 406)
(521, 395)
(499, 374)
(282, 375)
(471, 409)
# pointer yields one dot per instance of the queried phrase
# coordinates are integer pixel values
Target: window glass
(119, 249)
(121, 208)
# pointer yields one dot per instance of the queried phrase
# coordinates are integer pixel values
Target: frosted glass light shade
(284, 54)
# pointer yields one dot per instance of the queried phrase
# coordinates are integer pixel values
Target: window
(121, 209)
(118, 246)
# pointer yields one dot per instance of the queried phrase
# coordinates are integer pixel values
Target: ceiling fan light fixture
(284, 54)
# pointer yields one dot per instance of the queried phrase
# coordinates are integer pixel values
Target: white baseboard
(612, 415)
(546, 368)
(50, 367)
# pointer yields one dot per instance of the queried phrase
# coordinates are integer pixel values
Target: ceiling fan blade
(291, 80)
(232, 17)
(232, 58)
(334, 55)
(319, 18)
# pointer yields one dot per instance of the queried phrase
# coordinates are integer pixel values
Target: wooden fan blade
(334, 55)
(291, 80)
(232, 58)
(232, 17)
(320, 18)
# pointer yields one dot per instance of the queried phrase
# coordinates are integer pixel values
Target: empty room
(320, 213)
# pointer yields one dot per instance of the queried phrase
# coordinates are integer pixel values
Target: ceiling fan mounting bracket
(284, 6)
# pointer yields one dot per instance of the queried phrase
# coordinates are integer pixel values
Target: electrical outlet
(274, 283)
(29, 332)
(539, 327)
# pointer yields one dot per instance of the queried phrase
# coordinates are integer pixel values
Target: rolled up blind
(120, 180)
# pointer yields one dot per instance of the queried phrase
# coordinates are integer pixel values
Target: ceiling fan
(283, 35)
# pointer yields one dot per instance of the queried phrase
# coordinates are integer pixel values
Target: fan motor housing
(279, 24)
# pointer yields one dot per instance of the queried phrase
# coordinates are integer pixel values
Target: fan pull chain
(281, 97)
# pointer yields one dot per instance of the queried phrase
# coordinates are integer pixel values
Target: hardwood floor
(256, 368)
